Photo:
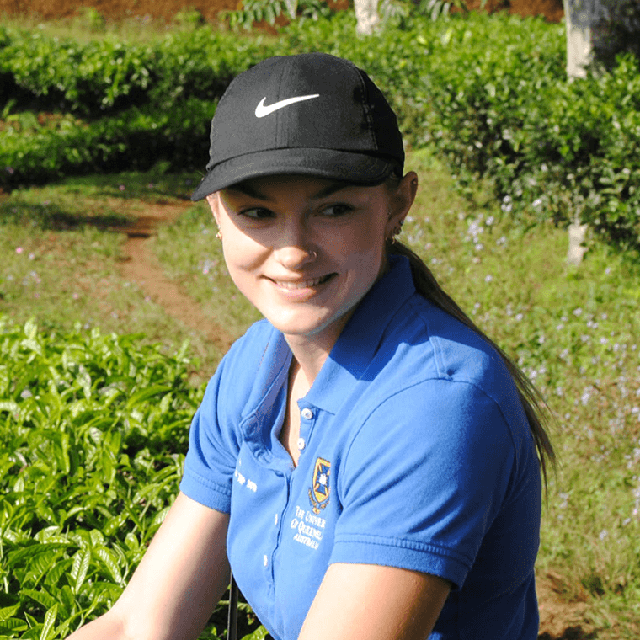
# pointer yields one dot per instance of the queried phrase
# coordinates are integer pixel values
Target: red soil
(166, 9)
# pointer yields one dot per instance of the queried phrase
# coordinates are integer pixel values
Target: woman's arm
(179, 581)
(371, 602)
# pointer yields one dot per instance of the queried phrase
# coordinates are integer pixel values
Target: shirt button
(266, 561)
(306, 413)
(301, 443)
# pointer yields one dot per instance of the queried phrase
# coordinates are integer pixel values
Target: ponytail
(531, 399)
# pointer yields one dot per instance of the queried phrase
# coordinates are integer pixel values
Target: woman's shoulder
(250, 360)
(435, 345)
(434, 372)
(252, 343)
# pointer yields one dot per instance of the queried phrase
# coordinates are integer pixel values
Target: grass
(89, 24)
(575, 331)
(62, 255)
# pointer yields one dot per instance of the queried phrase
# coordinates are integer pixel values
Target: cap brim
(356, 168)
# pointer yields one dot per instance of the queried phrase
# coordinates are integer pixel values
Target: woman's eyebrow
(247, 190)
(330, 190)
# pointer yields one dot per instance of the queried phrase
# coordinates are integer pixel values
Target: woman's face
(305, 250)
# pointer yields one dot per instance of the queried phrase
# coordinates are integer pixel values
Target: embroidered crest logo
(319, 492)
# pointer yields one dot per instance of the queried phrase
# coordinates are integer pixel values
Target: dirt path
(559, 619)
(141, 266)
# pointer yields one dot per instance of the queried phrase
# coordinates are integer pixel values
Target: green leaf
(80, 568)
(8, 612)
(41, 597)
(110, 562)
(11, 625)
(259, 634)
(48, 631)
(140, 396)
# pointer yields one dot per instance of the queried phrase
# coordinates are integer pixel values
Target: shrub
(616, 31)
(95, 429)
(136, 139)
(548, 148)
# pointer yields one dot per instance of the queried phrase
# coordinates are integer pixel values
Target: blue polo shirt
(415, 453)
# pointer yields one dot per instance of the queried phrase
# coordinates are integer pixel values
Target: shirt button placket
(307, 415)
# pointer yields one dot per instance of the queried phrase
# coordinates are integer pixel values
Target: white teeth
(304, 284)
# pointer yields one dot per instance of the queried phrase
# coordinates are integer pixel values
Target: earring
(219, 235)
(395, 232)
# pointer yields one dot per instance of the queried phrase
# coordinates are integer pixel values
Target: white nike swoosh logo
(262, 110)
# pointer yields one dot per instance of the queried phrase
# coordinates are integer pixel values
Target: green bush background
(490, 93)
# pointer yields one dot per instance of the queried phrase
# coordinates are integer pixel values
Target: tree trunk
(580, 16)
(367, 16)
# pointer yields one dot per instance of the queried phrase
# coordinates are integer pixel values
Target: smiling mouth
(303, 284)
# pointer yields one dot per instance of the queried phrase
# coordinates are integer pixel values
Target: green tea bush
(200, 64)
(95, 428)
(548, 148)
(136, 138)
(83, 78)
(616, 30)
(108, 75)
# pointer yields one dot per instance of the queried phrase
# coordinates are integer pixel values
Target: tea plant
(548, 148)
(94, 434)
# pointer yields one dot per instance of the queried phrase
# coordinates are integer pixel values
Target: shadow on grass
(571, 633)
(151, 186)
(93, 200)
(52, 217)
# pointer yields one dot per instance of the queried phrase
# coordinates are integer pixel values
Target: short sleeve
(423, 480)
(211, 459)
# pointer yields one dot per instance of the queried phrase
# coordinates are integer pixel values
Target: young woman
(364, 456)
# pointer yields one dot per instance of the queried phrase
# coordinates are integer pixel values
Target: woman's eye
(256, 213)
(336, 210)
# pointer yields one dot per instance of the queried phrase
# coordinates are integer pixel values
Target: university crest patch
(319, 492)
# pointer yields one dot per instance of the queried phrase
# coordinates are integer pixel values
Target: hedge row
(549, 148)
(505, 113)
(136, 139)
(106, 75)
(94, 429)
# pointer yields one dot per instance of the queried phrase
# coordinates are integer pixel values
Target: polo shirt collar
(361, 337)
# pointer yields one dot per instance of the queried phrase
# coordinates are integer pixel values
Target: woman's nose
(295, 246)
(295, 257)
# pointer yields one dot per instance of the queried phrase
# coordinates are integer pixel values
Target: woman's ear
(214, 203)
(402, 197)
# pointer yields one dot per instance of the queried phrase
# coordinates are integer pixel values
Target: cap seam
(366, 108)
(280, 116)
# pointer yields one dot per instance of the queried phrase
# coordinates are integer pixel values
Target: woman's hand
(178, 582)
(371, 602)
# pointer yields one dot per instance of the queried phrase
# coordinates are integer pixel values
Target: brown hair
(532, 401)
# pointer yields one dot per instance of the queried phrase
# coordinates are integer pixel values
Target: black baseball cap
(312, 114)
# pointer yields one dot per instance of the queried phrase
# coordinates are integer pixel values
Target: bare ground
(140, 265)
